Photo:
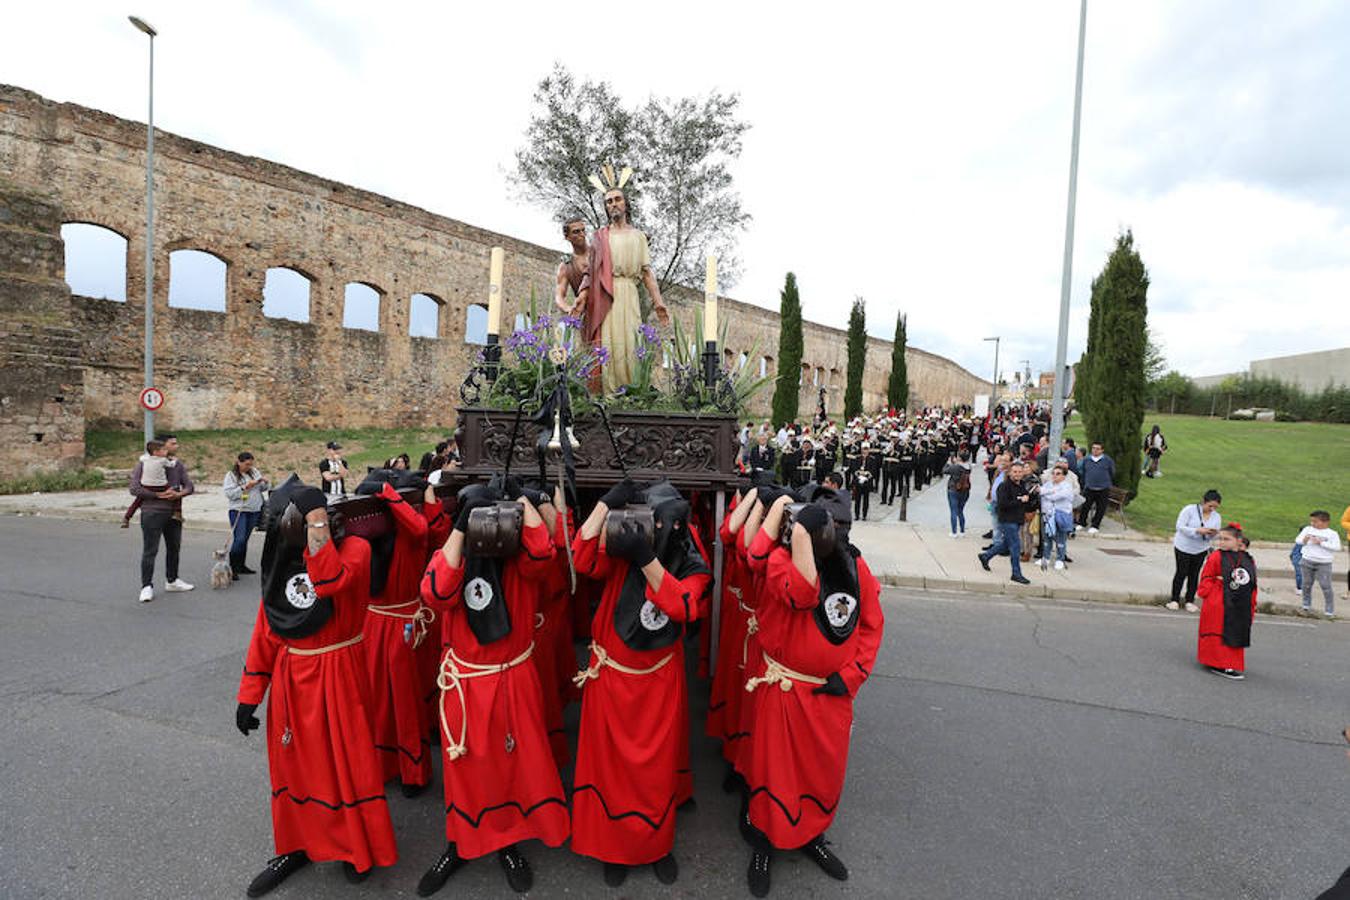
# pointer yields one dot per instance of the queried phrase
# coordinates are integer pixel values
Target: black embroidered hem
(475, 822)
(341, 804)
(655, 825)
(827, 810)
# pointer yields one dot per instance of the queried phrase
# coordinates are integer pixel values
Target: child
(1229, 594)
(1320, 543)
(154, 474)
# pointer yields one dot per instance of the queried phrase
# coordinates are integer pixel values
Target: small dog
(221, 574)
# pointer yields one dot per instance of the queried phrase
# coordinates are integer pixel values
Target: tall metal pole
(993, 393)
(150, 32)
(1062, 344)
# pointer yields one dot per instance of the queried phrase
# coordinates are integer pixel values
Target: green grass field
(1271, 474)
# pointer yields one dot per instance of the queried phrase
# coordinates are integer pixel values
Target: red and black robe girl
(553, 656)
(501, 785)
(633, 750)
(728, 686)
(817, 644)
(1228, 595)
(397, 624)
(439, 525)
(327, 787)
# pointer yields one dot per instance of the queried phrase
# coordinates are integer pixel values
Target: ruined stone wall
(240, 368)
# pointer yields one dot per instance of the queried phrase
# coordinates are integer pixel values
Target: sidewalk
(206, 510)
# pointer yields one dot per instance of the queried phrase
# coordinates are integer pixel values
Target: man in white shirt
(1197, 523)
(1320, 543)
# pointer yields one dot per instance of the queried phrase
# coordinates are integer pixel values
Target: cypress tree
(857, 359)
(897, 385)
(1118, 386)
(787, 388)
(1082, 389)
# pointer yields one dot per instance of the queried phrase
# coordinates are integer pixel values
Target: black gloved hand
(768, 493)
(834, 686)
(244, 719)
(813, 519)
(462, 515)
(536, 497)
(631, 545)
(620, 495)
(307, 499)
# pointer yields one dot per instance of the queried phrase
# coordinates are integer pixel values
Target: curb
(98, 516)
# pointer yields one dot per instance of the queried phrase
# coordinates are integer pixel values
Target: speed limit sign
(152, 398)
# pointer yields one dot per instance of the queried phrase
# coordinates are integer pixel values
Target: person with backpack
(958, 490)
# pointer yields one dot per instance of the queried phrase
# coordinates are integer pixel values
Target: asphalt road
(1001, 749)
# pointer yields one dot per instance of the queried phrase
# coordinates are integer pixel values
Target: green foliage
(1331, 404)
(857, 358)
(1117, 389)
(682, 193)
(1155, 361)
(1171, 391)
(50, 482)
(787, 389)
(897, 385)
(735, 386)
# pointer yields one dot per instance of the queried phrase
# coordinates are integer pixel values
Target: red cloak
(728, 686)
(599, 284)
(633, 752)
(439, 525)
(1212, 651)
(505, 787)
(327, 788)
(553, 656)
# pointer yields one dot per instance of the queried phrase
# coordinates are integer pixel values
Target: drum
(822, 543)
(494, 531)
(637, 515)
(365, 515)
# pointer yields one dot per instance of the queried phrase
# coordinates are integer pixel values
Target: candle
(495, 291)
(710, 302)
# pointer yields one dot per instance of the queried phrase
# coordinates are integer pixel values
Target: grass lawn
(1271, 474)
(209, 454)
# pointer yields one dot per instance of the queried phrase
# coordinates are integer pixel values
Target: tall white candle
(495, 291)
(710, 301)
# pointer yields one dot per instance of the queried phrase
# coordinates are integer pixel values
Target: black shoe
(758, 874)
(1021, 579)
(687, 806)
(278, 869)
(234, 576)
(1067, 560)
(1230, 674)
(245, 570)
(517, 869)
(666, 870)
(436, 877)
(353, 876)
(984, 563)
(615, 874)
(988, 536)
(731, 782)
(818, 853)
(413, 790)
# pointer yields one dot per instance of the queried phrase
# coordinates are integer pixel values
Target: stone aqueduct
(70, 360)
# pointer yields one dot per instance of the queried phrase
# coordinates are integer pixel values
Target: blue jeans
(1007, 539)
(242, 524)
(1296, 557)
(1060, 540)
(956, 505)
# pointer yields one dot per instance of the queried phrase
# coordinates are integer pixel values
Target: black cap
(334, 445)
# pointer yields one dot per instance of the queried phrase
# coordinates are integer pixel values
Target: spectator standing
(958, 491)
(1056, 515)
(1155, 445)
(761, 455)
(1197, 524)
(1320, 543)
(243, 487)
(153, 463)
(333, 471)
(1097, 473)
(161, 517)
(1009, 504)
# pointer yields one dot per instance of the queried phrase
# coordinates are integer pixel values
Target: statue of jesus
(608, 298)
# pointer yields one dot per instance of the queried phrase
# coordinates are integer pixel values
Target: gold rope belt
(421, 618)
(751, 629)
(453, 672)
(777, 673)
(603, 659)
(316, 651)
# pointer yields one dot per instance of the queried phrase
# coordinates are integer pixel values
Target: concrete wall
(1311, 372)
(240, 368)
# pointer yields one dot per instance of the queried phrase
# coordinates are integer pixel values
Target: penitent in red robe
(796, 760)
(439, 526)
(327, 788)
(505, 788)
(1212, 651)
(553, 656)
(396, 625)
(728, 687)
(633, 750)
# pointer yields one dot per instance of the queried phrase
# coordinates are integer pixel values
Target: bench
(1117, 498)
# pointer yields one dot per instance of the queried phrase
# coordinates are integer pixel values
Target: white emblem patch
(839, 607)
(651, 616)
(1239, 577)
(477, 594)
(300, 591)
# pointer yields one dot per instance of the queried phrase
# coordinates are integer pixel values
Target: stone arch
(287, 293)
(361, 306)
(742, 360)
(198, 279)
(475, 323)
(95, 260)
(425, 311)
(766, 367)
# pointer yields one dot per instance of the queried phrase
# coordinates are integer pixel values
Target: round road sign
(152, 398)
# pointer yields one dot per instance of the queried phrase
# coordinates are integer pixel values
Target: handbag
(1063, 520)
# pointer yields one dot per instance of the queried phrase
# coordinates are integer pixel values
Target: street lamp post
(993, 394)
(1061, 345)
(150, 32)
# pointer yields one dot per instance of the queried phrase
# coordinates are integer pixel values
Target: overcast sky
(912, 154)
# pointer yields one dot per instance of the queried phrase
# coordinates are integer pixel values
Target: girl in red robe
(1228, 596)
(553, 656)
(501, 786)
(634, 723)
(328, 798)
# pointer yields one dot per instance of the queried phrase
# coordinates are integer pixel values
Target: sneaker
(1298, 592)
(1173, 605)
(1092, 531)
(1059, 565)
(1192, 608)
(1044, 564)
(1021, 579)
(1305, 611)
(1329, 615)
(955, 535)
(1230, 674)
(178, 585)
(147, 594)
(984, 563)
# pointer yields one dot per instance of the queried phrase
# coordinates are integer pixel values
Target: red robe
(553, 656)
(798, 756)
(1212, 651)
(633, 752)
(398, 708)
(439, 526)
(728, 687)
(754, 561)
(505, 788)
(327, 788)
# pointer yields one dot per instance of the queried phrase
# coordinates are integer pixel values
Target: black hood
(482, 589)
(639, 623)
(289, 602)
